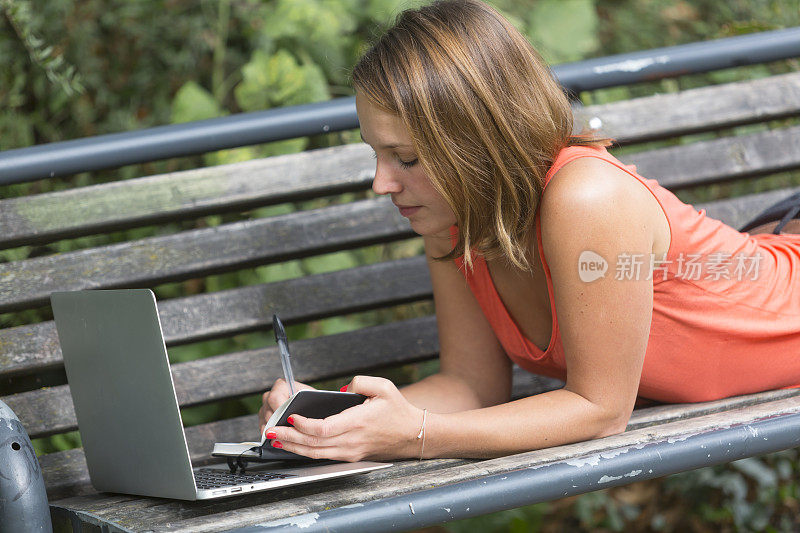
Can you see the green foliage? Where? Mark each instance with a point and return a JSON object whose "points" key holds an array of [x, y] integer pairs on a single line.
{"points": [[564, 30], [63, 75], [75, 68], [279, 80], [192, 102]]}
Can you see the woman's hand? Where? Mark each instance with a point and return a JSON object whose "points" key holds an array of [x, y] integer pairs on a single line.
{"points": [[385, 426], [274, 398]]}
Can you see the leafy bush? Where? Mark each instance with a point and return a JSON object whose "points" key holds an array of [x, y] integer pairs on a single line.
{"points": [[81, 68]]}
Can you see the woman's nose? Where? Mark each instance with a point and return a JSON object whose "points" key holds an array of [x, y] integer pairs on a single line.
{"points": [[385, 182]]}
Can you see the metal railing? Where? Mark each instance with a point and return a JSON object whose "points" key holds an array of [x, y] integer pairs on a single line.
{"points": [[163, 142]]}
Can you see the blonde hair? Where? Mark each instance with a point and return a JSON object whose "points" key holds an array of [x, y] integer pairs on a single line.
{"points": [[486, 117]]}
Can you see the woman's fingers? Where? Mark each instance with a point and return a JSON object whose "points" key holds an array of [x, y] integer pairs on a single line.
{"points": [[263, 415], [334, 453], [278, 394], [337, 447], [271, 400], [274, 398], [325, 428], [370, 386], [353, 434]]}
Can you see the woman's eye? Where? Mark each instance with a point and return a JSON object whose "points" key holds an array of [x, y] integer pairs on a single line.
{"points": [[403, 164]]}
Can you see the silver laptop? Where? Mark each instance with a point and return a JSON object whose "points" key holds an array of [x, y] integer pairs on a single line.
{"points": [[127, 410]]}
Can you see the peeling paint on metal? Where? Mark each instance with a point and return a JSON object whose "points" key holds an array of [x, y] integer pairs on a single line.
{"points": [[607, 479], [352, 506], [301, 521], [631, 65], [592, 460]]}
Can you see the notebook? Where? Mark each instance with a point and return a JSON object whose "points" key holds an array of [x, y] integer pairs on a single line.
{"points": [[309, 403], [127, 410]]}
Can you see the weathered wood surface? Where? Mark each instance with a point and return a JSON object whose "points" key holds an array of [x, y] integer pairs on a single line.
{"points": [[66, 475], [49, 410], [240, 186], [187, 194], [239, 245], [33, 348], [696, 110], [720, 160], [202, 252], [737, 212], [139, 514]]}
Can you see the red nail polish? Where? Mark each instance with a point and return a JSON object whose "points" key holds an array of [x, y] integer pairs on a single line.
{"points": [[290, 420], [271, 435], [276, 444], [343, 389]]}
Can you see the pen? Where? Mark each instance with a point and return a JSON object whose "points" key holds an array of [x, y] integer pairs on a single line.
{"points": [[280, 338]]}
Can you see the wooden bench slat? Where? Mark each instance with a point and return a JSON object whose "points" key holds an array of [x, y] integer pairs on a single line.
{"points": [[696, 110], [163, 515], [241, 245], [31, 348], [660, 414], [737, 212], [132, 510], [182, 195], [720, 160], [202, 252], [49, 410], [189, 194], [26, 352], [65, 472]]}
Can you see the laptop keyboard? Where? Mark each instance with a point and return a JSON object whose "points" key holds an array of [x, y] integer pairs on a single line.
{"points": [[210, 478]]}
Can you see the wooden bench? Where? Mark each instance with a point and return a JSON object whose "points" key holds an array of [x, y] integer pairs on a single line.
{"points": [[660, 440]]}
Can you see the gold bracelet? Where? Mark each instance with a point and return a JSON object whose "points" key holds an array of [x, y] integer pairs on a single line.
{"points": [[421, 434]]}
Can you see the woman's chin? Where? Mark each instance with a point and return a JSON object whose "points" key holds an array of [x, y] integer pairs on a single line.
{"points": [[424, 229]]}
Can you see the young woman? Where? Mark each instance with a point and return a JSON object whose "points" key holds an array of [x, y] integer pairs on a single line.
{"points": [[473, 144]]}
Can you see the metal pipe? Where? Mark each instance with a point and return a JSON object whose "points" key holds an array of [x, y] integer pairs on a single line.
{"points": [[551, 481], [671, 61], [175, 140], [120, 149]]}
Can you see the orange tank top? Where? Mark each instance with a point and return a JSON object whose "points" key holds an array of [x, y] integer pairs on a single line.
{"points": [[726, 306]]}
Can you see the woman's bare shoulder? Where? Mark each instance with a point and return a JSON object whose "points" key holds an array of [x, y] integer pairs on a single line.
{"points": [[591, 182]]}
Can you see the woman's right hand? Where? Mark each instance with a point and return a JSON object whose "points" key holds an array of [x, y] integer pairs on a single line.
{"points": [[274, 398]]}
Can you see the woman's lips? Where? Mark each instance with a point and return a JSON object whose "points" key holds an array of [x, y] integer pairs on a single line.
{"points": [[407, 211]]}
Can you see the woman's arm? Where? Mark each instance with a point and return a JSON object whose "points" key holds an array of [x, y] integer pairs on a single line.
{"points": [[604, 326], [474, 371]]}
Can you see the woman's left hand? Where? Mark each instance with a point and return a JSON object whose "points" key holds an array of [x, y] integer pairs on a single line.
{"points": [[384, 427]]}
